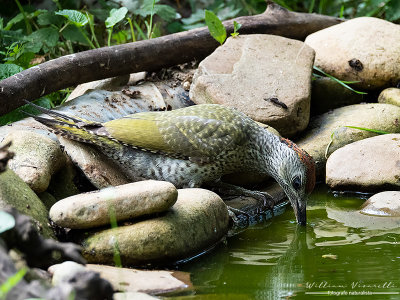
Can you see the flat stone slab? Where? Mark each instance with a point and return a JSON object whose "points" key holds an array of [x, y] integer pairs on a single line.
{"points": [[255, 73], [367, 165], [150, 282], [384, 204], [328, 132], [198, 220], [361, 49], [93, 209]]}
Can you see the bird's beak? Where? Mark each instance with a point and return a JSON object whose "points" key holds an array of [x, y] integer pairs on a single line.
{"points": [[301, 213], [299, 206]]}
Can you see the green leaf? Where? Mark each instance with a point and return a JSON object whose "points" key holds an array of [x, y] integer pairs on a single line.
{"points": [[339, 81], [215, 26], [368, 129], [236, 27], [18, 113], [7, 221], [45, 36], [393, 10], [72, 33], [18, 18], [165, 12], [7, 70], [11, 282], [74, 16], [49, 18], [116, 15]]}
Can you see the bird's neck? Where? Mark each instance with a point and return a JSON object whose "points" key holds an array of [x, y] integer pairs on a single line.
{"points": [[267, 154]]}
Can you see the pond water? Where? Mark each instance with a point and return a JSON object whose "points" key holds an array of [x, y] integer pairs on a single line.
{"points": [[340, 251]]}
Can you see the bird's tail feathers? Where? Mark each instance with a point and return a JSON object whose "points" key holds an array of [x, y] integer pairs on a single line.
{"points": [[74, 128]]}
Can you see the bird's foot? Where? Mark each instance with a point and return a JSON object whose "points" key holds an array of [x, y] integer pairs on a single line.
{"points": [[264, 199]]}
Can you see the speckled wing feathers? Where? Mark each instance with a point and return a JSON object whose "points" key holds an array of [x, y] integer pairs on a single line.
{"points": [[202, 132]]}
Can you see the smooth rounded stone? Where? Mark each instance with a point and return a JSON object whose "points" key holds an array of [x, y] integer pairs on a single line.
{"points": [[390, 96], [128, 201], [65, 271], [328, 133], [253, 73], [384, 204], [16, 193], [366, 165], [197, 221], [327, 94], [149, 282], [36, 159], [362, 49], [100, 170]]}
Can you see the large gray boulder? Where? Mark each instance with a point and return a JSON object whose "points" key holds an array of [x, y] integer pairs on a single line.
{"points": [[362, 49], [255, 73], [198, 220], [367, 165]]}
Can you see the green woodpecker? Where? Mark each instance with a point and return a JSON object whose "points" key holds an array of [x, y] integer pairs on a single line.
{"points": [[195, 145]]}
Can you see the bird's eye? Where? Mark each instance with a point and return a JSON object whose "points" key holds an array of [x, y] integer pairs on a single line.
{"points": [[296, 183]]}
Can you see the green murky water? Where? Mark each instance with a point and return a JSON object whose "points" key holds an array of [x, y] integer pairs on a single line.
{"points": [[340, 251]]}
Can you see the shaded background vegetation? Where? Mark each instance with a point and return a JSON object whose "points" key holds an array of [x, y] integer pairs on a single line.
{"points": [[32, 32]]}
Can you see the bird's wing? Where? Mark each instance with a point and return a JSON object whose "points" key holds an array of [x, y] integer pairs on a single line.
{"points": [[192, 132]]}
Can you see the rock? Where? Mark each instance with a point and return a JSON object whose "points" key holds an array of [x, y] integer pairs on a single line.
{"points": [[328, 133], [362, 49], [103, 84], [133, 296], [149, 282], [16, 193], [64, 271], [47, 199], [198, 220], [64, 183], [367, 165], [36, 158], [101, 171], [327, 94], [384, 204], [390, 96], [127, 201], [252, 72]]}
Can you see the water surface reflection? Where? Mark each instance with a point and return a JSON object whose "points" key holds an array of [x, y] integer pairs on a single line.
{"points": [[340, 251]]}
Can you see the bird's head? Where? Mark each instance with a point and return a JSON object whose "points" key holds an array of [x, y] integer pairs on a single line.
{"points": [[296, 175]]}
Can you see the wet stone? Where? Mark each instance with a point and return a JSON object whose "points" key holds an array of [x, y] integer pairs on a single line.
{"points": [[198, 220], [127, 201], [372, 164], [384, 204], [328, 132]]}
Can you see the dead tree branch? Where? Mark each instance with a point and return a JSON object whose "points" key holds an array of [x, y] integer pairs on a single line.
{"points": [[148, 55]]}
